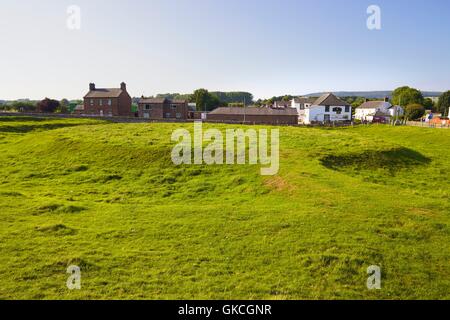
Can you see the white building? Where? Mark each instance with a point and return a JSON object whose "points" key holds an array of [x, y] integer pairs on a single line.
{"points": [[301, 103], [327, 108], [369, 109]]}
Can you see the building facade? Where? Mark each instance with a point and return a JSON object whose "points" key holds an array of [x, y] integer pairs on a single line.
{"points": [[370, 111], [162, 108], [327, 108], [107, 102]]}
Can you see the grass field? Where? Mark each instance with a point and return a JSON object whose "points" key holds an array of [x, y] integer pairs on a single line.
{"points": [[106, 197]]}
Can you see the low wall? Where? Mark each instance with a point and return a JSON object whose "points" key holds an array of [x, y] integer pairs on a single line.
{"points": [[428, 125]]}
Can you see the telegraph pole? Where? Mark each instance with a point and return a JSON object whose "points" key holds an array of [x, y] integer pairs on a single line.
{"points": [[244, 110]]}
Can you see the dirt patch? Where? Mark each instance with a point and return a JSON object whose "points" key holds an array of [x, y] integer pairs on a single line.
{"points": [[279, 184]]}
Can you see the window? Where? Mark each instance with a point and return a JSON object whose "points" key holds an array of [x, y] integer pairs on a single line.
{"points": [[327, 108], [167, 115], [101, 102], [92, 102], [347, 108], [178, 115], [337, 110], [147, 107], [109, 102], [174, 107]]}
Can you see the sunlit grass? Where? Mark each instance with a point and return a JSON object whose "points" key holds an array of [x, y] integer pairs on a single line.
{"points": [[106, 197]]}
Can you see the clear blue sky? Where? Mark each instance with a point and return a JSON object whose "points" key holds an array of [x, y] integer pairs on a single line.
{"points": [[267, 47]]}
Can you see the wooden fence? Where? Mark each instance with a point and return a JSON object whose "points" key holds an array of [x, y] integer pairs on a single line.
{"points": [[428, 125]]}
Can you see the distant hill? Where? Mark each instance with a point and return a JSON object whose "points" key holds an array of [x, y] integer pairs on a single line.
{"points": [[370, 94]]}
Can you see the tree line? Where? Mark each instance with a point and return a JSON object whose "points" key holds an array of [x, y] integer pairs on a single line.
{"points": [[209, 100], [46, 105]]}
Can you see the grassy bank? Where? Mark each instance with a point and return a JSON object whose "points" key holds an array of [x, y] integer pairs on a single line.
{"points": [[107, 197]]}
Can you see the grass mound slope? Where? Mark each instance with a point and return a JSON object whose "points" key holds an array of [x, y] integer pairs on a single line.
{"points": [[106, 197]]}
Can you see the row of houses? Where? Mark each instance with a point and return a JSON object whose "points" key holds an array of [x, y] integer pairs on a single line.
{"points": [[303, 110]]}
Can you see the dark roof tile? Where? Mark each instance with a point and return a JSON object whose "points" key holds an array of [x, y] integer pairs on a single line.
{"points": [[104, 93], [255, 111], [329, 99]]}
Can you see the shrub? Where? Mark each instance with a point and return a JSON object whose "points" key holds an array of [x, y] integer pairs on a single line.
{"points": [[414, 111], [48, 105]]}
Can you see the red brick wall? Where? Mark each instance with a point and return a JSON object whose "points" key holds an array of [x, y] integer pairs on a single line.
{"points": [[156, 111], [119, 106], [100, 105], [171, 110], [124, 107], [164, 111]]}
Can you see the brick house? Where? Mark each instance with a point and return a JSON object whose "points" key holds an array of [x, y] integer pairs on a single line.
{"points": [[107, 102], [162, 108], [254, 115]]}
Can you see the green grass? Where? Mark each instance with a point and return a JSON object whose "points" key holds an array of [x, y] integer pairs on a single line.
{"points": [[106, 197]]}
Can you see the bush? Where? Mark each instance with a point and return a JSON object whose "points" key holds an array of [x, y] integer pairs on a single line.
{"points": [[443, 104], [414, 111], [23, 106], [48, 105]]}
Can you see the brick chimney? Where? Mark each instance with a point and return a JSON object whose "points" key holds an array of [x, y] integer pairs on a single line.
{"points": [[123, 86], [366, 100], [386, 99], [91, 86]]}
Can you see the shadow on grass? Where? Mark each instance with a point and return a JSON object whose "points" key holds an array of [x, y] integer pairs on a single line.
{"points": [[391, 160], [25, 124], [24, 118], [40, 127]]}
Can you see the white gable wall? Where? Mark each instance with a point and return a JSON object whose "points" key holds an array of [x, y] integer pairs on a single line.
{"points": [[396, 111], [317, 113], [367, 114]]}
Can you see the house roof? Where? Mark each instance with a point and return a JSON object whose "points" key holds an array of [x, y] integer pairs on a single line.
{"points": [[283, 103], [255, 111], [329, 99], [104, 93], [304, 100], [371, 104], [159, 100], [153, 100]]}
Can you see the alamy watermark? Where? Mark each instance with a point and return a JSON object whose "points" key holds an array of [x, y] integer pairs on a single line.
{"points": [[374, 19], [73, 21], [231, 150], [74, 280], [374, 279]]}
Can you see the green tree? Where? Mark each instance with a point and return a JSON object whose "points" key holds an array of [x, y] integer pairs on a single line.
{"points": [[48, 105], [443, 103], [428, 104], [233, 97], [414, 111], [23, 106], [63, 106], [205, 100], [404, 96]]}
